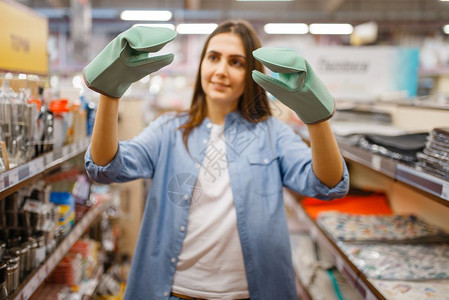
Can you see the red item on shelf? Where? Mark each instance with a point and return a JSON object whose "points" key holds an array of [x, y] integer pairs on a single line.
{"points": [[374, 204], [35, 101], [59, 106]]}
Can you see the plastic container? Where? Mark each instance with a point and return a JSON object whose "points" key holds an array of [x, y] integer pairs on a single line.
{"points": [[61, 122]]}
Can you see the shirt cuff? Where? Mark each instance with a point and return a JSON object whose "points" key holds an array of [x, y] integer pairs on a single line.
{"points": [[323, 192], [103, 174]]}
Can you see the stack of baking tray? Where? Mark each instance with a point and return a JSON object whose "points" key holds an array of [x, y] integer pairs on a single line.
{"points": [[435, 156], [404, 147]]}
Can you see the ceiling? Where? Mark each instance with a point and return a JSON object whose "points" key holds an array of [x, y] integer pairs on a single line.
{"points": [[413, 15]]}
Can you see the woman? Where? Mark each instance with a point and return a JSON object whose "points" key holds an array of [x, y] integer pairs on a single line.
{"points": [[214, 225]]}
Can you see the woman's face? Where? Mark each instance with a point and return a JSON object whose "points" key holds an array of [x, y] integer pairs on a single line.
{"points": [[223, 69]]}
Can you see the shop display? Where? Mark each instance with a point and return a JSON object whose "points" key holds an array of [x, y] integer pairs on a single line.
{"points": [[403, 147], [400, 262], [406, 290], [435, 156], [18, 123], [374, 228], [297, 85], [367, 204], [315, 268], [374, 252]]}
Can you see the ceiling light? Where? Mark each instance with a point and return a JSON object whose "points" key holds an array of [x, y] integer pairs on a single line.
{"points": [[330, 28], [446, 29], [286, 28], [199, 28], [169, 26], [146, 15]]}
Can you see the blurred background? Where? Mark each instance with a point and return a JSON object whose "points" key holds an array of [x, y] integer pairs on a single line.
{"points": [[386, 62]]}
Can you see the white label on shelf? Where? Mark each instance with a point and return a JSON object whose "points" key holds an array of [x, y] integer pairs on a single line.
{"points": [[36, 166], [2, 182], [13, 176], [376, 162], [445, 191], [65, 151], [49, 158]]}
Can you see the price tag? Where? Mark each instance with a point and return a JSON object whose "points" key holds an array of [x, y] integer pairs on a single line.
{"points": [[65, 151], [36, 166], [13, 176], [376, 162], [49, 158], [445, 191]]}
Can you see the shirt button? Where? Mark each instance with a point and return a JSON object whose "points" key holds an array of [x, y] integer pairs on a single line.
{"points": [[186, 197], [266, 160], [197, 165], [173, 260], [182, 228], [204, 141], [165, 294], [209, 125]]}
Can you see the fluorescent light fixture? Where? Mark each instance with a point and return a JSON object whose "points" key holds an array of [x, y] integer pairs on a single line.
{"points": [[169, 26], [286, 28], [146, 15], [196, 28], [446, 29], [318, 28]]}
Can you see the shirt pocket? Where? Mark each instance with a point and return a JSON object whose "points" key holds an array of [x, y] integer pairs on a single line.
{"points": [[265, 174]]}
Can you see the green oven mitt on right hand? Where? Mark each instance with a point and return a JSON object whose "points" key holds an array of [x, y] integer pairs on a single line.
{"points": [[125, 60], [297, 87]]}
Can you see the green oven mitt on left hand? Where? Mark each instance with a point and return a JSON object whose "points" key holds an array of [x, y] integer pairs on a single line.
{"points": [[298, 87], [125, 60]]}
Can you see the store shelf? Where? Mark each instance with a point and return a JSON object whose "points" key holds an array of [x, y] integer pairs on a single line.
{"points": [[34, 280], [423, 181], [376, 162], [16, 176], [398, 171], [88, 288], [351, 273]]}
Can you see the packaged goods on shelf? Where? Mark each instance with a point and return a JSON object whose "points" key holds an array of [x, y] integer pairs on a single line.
{"points": [[397, 228], [435, 156], [66, 204], [375, 203]]}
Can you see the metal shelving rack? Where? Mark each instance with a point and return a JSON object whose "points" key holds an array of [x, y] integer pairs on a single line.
{"points": [[16, 178], [424, 182], [417, 179], [34, 280], [351, 273]]}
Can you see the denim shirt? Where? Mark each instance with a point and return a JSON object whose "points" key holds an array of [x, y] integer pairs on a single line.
{"points": [[262, 158]]}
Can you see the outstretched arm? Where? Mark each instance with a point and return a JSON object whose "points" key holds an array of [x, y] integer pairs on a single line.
{"points": [[326, 158], [123, 61], [105, 132]]}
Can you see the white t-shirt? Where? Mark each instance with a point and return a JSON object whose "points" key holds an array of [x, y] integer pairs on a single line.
{"points": [[211, 262]]}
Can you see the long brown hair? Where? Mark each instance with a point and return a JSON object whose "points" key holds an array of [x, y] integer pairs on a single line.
{"points": [[253, 104]]}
